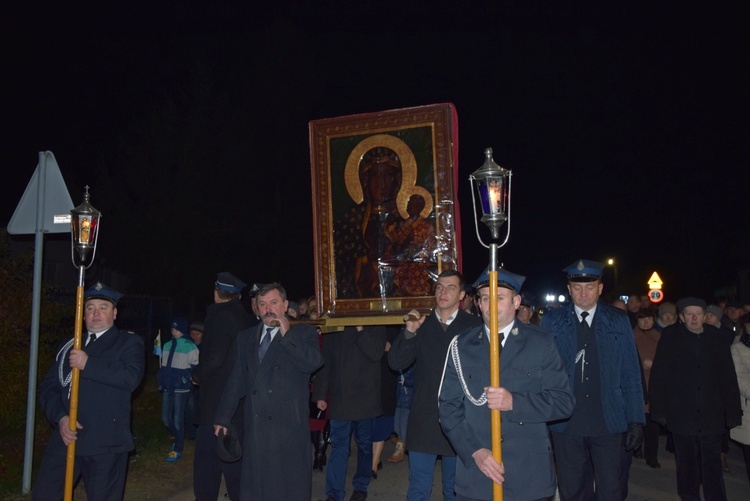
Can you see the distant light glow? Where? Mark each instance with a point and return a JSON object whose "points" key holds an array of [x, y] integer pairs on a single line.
{"points": [[560, 298]]}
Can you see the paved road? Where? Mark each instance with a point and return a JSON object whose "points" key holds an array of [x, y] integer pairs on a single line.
{"points": [[646, 484]]}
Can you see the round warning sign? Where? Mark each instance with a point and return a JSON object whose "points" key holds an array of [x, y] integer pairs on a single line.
{"points": [[655, 295]]}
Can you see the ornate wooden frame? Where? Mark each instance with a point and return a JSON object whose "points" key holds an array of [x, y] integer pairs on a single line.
{"points": [[425, 139]]}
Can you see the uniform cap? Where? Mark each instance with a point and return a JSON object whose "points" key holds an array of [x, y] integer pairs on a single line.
{"points": [[505, 279], [255, 289], [225, 281], [101, 291], [584, 270]]}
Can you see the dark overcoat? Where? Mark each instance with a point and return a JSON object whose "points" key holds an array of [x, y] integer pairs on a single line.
{"points": [[619, 366], [693, 387], [426, 350], [531, 369], [350, 377], [223, 322], [113, 371], [276, 451]]}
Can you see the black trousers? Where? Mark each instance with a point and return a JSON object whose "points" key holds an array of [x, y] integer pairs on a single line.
{"points": [[103, 476], [208, 468], [581, 461], [651, 440], [698, 461]]}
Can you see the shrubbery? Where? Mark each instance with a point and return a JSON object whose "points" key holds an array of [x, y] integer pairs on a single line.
{"points": [[56, 321]]}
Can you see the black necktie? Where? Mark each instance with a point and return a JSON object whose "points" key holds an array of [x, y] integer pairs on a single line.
{"points": [[92, 338], [500, 339], [264, 343], [584, 323], [444, 326]]}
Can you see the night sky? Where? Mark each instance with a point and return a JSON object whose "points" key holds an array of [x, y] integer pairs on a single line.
{"points": [[623, 127]]}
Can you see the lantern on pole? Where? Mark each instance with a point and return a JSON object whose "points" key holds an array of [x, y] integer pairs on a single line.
{"points": [[491, 184], [84, 229]]}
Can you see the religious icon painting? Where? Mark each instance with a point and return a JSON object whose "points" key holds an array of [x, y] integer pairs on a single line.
{"points": [[385, 211]]}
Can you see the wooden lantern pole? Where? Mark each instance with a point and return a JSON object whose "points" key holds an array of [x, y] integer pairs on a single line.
{"points": [[75, 374], [497, 453]]}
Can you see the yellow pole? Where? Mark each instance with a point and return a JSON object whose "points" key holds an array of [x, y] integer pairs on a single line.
{"points": [[497, 453], [73, 415]]}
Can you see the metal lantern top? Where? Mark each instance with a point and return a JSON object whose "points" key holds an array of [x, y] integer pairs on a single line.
{"points": [[491, 183], [84, 229]]}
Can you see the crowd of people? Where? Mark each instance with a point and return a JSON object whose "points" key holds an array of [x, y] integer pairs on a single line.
{"points": [[585, 387]]}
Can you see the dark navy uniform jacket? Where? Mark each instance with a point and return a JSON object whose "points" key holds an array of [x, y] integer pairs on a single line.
{"points": [[113, 371], [619, 370], [531, 369]]}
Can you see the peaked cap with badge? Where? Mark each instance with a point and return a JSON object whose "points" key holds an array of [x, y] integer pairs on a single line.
{"points": [[584, 270], [505, 279], [101, 291]]}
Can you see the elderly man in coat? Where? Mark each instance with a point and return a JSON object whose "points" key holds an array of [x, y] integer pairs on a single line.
{"points": [[693, 391], [272, 370], [596, 345], [534, 390]]}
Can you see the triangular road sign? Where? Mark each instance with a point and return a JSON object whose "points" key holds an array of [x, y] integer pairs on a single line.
{"points": [[56, 204], [655, 282]]}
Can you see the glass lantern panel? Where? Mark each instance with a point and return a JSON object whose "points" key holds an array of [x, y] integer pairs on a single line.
{"points": [[493, 195]]}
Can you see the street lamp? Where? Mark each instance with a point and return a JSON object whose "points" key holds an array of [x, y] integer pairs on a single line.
{"points": [[492, 185], [84, 229], [611, 262]]}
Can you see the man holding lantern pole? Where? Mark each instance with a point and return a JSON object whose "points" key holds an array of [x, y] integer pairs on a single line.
{"points": [[111, 364], [533, 390]]}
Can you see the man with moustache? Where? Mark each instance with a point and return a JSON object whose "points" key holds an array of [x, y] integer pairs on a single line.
{"points": [[693, 391], [534, 390], [271, 373], [224, 320], [111, 364], [596, 345]]}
